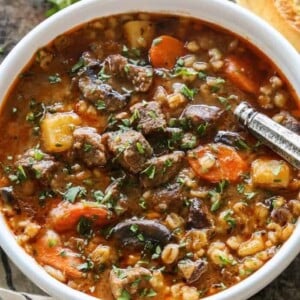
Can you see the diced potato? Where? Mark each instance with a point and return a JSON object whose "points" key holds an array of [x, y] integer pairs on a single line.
{"points": [[57, 129], [270, 173], [139, 34]]}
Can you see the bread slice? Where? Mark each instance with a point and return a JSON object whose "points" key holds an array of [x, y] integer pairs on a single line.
{"points": [[284, 15]]}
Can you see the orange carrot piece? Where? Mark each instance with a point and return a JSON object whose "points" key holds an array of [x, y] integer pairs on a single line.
{"points": [[49, 252], [240, 71], [66, 215], [165, 51], [228, 163]]}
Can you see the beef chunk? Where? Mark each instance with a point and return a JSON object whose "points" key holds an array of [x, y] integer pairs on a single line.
{"points": [[118, 65], [201, 114], [38, 164], [197, 217], [94, 90], [164, 198], [160, 170], [130, 149], [288, 121], [115, 65], [228, 138], [88, 147], [150, 118]]}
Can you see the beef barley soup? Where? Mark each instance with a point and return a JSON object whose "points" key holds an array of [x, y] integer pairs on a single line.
{"points": [[123, 170]]}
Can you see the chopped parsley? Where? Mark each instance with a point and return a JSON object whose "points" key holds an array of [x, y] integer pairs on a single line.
{"points": [[157, 252], [73, 192], [189, 143], [53, 79], [148, 293], [131, 53], [225, 102], [142, 203], [124, 295], [222, 185], [119, 272], [98, 196], [150, 171], [152, 114], [217, 83], [134, 228], [103, 76], [202, 128], [135, 116], [86, 266], [140, 237], [168, 163], [202, 75], [78, 65], [225, 261], [38, 154], [242, 145], [250, 195], [100, 105], [52, 243], [21, 174], [240, 188], [229, 219], [188, 93], [182, 71], [215, 205], [87, 147], [140, 148]]}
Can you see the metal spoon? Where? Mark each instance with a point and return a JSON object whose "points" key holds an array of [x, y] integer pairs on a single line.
{"points": [[281, 140]]}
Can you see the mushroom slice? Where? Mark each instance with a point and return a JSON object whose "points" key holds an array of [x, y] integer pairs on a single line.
{"points": [[135, 232]]}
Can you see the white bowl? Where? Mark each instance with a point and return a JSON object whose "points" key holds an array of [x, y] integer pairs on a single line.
{"points": [[221, 12]]}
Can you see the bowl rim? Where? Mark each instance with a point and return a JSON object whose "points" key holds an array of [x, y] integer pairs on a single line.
{"points": [[223, 13]]}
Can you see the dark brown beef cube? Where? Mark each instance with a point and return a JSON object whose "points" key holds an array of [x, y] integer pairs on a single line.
{"points": [[95, 90], [38, 164], [201, 114], [164, 198], [88, 146], [140, 76], [150, 118], [160, 170], [130, 149], [197, 217]]}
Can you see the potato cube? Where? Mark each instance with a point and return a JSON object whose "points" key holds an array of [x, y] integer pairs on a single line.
{"points": [[270, 173], [139, 34], [57, 131]]}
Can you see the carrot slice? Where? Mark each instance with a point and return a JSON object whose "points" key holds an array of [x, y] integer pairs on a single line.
{"points": [[165, 51], [216, 162], [240, 71], [49, 252], [66, 215]]}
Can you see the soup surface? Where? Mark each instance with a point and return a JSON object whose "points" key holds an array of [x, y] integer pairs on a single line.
{"points": [[123, 170]]}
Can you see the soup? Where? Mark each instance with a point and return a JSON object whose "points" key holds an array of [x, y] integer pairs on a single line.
{"points": [[124, 171]]}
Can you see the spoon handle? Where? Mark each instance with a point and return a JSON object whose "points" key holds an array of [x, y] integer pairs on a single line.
{"points": [[281, 140]]}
